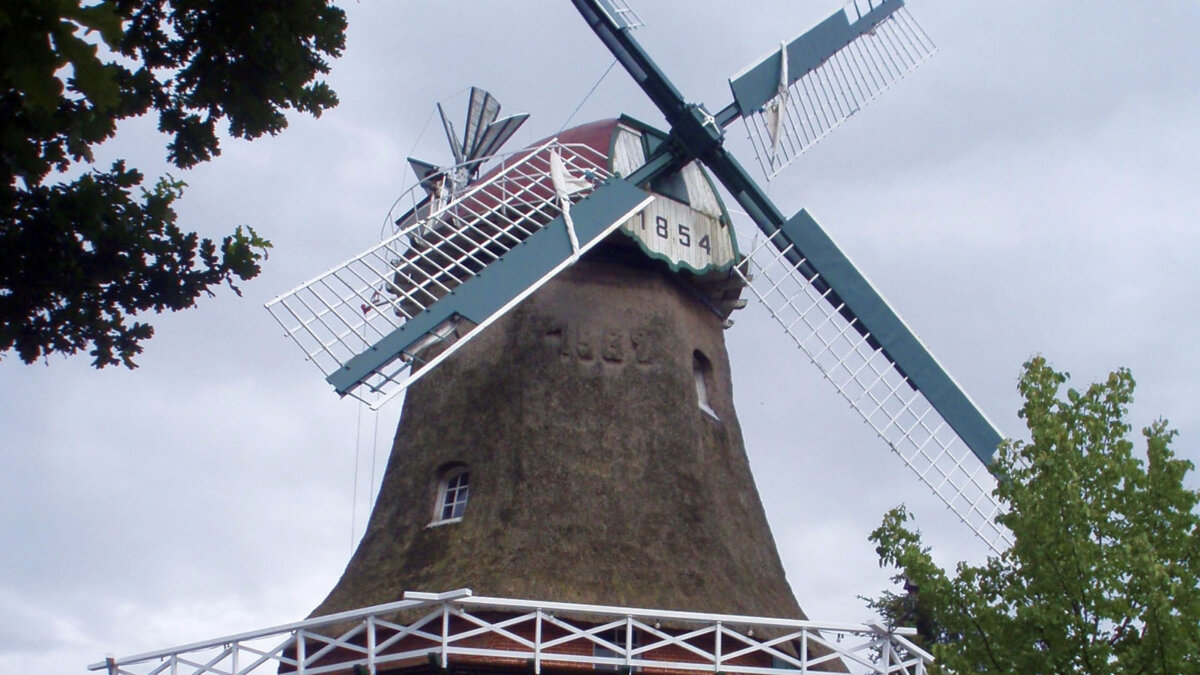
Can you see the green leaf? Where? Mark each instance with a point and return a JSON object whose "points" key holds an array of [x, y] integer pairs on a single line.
{"points": [[95, 80], [102, 18], [82, 259], [1104, 574]]}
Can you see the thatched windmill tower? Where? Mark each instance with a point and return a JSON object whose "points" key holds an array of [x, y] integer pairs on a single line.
{"points": [[585, 448]]}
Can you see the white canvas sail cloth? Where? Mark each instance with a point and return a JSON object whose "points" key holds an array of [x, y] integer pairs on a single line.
{"points": [[776, 110], [566, 185]]}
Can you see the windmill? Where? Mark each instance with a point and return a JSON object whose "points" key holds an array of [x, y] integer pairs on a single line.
{"points": [[556, 317], [448, 283]]}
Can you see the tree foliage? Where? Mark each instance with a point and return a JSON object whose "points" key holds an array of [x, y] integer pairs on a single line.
{"points": [[84, 248], [1104, 572]]}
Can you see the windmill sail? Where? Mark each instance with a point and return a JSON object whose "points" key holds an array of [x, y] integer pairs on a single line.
{"points": [[878, 365], [482, 110], [368, 323], [496, 134], [427, 174], [811, 287], [794, 97], [456, 147]]}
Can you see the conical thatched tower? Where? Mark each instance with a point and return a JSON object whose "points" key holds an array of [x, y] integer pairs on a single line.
{"points": [[595, 475], [595, 428]]}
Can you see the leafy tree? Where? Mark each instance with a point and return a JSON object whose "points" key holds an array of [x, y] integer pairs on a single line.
{"points": [[1104, 572], [83, 248]]}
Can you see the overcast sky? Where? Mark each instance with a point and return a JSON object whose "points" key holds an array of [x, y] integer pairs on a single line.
{"points": [[1034, 188]]}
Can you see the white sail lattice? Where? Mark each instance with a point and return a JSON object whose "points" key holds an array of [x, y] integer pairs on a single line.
{"points": [[348, 309], [623, 15], [873, 386]]}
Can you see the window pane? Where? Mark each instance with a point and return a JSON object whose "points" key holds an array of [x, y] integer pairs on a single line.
{"points": [[453, 496]]}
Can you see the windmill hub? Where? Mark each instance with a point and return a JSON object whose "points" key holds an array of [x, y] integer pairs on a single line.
{"points": [[698, 131]]}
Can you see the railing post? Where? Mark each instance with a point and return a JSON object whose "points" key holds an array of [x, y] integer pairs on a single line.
{"points": [[629, 644], [717, 649], [233, 658], [371, 644], [301, 652], [537, 642], [445, 634], [804, 651]]}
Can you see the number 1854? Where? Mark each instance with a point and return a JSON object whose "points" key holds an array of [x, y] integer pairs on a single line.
{"points": [[681, 233]]}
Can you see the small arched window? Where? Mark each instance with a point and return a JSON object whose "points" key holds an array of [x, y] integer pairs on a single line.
{"points": [[453, 491], [702, 370]]}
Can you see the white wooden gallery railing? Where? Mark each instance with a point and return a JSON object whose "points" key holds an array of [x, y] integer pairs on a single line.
{"points": [[454, 628]]}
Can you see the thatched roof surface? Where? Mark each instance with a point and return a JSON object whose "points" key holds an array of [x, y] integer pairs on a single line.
{"points": [[595, 477]]}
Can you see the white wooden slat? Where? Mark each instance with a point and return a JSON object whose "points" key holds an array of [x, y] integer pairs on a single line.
{"points": [[628, 154]]}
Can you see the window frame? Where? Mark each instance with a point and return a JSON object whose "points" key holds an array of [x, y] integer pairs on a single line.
{"points": [[455, 485], [702, 376]]}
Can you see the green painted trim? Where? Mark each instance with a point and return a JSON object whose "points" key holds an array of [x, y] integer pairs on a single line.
{"points": [[677, 266]]}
